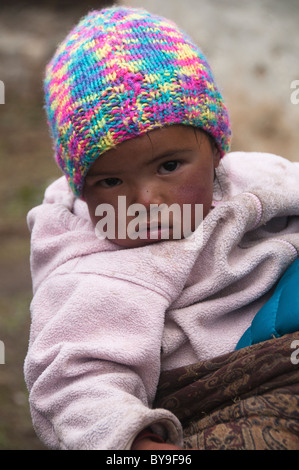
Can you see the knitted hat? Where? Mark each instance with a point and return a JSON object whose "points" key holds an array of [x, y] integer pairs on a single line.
{"points": [[122, 72]]}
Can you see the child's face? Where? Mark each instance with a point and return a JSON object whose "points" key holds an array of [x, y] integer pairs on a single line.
{"points": [[172, 165]]}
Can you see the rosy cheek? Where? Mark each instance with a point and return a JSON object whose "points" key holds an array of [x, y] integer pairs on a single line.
{"points": [[188, 194], [196, 194]]}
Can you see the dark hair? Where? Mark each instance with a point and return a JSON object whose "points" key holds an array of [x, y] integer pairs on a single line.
{"points": [[209, 136]]}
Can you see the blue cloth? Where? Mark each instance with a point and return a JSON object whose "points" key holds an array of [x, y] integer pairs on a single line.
{"points": [[278, 316]]}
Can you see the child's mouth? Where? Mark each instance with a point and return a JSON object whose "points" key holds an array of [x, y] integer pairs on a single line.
{"points": [[159, 232], [152, 231]]}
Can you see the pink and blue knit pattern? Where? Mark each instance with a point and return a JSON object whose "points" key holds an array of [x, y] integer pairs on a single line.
{"points": [[120, 73]]}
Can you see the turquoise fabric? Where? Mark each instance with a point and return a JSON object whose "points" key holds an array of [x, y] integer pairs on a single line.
{"points": [[280, 315]]}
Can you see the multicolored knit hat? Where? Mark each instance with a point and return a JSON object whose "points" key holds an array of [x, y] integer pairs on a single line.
{"points": [[120, 73]]}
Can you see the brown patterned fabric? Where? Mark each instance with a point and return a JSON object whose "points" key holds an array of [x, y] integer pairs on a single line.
{"points": [[244, 400]]}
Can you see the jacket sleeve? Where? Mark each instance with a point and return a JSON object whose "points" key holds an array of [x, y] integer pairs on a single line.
{"points": [[93, 363]]}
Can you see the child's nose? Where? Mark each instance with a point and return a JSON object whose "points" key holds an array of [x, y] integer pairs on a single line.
{"points": [[147, 194]]}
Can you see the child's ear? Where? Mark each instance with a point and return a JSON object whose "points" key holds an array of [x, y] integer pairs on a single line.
{"points": [[216, 156]]}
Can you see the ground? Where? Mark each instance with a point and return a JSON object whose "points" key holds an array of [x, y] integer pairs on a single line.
{"points": [[253, 50]]}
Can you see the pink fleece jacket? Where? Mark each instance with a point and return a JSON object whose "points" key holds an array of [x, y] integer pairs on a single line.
{"points": [[106, 320]]}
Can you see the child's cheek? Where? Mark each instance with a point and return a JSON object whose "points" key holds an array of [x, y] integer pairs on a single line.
{"points": [[196, 194]]}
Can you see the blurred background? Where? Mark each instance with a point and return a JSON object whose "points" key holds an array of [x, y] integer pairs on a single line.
{"points": [[253, 49]]}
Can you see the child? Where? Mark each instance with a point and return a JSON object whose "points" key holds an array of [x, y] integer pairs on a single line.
{"points": [[135, 112]]}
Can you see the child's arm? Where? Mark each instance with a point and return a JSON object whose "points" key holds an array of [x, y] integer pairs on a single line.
{"points": [[94, 362]]}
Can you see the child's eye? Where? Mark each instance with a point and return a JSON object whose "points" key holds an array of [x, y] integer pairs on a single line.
{"points": [[109, 182], [168, 167]]}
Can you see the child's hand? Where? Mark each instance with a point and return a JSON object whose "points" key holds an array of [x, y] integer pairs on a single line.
{"points": [[149, 444]]}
